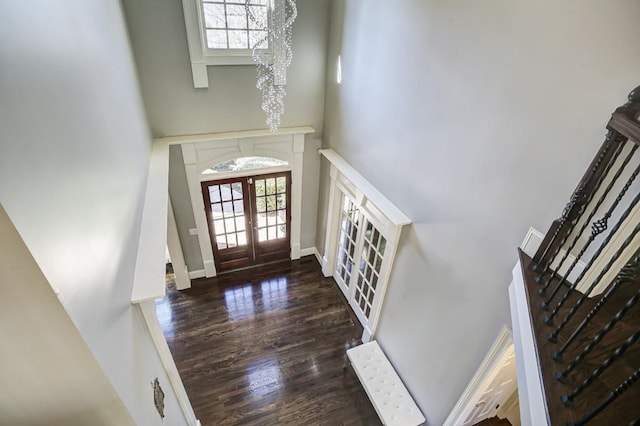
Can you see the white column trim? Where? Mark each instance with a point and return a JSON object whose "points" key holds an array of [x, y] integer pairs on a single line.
{"points": [[192, 25], [296, 194], [199, 216], [175, 251], [333, 217]]}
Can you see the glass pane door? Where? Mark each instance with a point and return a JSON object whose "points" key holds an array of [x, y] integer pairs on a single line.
{"points": [[371, 257], [349, 220], [271, 198], [249, 219], [359, 260], [227, 208]]}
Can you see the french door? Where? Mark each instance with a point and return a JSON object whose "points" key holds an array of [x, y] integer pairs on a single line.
{"points": [[360, 260], [249, 219]]}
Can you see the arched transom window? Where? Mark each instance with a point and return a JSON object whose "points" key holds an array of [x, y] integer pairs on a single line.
{"points": [[245, 163]]}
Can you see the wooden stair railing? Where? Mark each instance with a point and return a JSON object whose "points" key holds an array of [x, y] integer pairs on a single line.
{"points": [[583, 285]]}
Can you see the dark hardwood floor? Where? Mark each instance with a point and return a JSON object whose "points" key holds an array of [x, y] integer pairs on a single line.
{"points": [[266, 346], [494, 421]]}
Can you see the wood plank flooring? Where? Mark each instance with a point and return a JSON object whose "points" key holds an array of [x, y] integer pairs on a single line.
{"points": [[266, 346], [494, 421]]}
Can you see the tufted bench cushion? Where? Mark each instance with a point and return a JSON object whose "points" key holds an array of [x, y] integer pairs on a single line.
{"points": [[386, 391]]}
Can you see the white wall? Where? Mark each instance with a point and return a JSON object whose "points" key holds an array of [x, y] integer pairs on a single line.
{"points": [[231, 103], [74, 154], [48, 373], [476, 119]]}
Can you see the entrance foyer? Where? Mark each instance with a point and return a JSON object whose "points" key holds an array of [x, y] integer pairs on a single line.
{"points": [[266, 346]]}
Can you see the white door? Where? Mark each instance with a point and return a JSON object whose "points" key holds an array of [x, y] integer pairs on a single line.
{"points": [[360, 262], [347, 239], [496, 389]]}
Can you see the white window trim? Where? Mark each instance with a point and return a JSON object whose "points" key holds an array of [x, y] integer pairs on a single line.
{"points": [[377, 209], [201, 56]]}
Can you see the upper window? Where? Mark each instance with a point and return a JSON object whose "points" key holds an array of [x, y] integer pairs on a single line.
{"points": [[227, 25], [223, 32]]}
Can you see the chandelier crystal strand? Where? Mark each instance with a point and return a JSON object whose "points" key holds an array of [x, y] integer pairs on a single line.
{"points": [[272, 54]]}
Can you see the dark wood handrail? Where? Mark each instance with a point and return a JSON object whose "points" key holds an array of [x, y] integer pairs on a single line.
{"points": [[626, 119], [626, 126]]}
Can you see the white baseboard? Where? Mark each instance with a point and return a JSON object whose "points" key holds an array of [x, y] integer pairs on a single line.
{"points": [[307, 251], [201, 273], [318, 255], [312, 251], [198, 273]]}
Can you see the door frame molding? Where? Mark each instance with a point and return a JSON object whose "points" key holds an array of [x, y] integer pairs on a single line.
{"points": [[200, 152], [491, 361]]}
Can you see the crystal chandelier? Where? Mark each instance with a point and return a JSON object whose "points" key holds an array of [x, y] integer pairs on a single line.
{"points": [[272, 53]]}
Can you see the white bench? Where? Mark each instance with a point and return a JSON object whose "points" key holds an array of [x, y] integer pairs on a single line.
{"points": [[384, 388]]}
